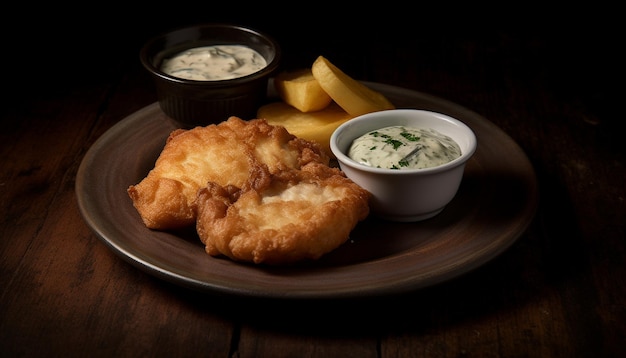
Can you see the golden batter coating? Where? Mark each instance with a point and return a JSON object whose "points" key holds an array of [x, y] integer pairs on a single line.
{"points": [[224, 154], [255, 192], [281, 219]]}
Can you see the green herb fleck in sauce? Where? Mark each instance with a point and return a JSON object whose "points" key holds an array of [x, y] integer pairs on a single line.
{"points": [[390, 148]]}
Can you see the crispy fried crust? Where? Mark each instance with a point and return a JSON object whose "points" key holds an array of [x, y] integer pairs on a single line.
{"points": [[282, 219], [224, 154], [255, 192]]}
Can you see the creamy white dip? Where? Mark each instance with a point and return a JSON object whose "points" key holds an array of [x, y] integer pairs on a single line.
{"points": [[214, 63], [390, 147]]}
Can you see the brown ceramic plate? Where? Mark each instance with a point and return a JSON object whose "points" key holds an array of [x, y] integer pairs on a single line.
{"points": [[495, 204]]}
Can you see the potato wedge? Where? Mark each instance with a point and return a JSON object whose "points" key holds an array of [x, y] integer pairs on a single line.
{"points": [[353, 96], [301, 90], [315, 126]]}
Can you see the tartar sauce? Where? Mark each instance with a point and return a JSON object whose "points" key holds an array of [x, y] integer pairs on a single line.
{"points": [[399, 147], [214, 63]]}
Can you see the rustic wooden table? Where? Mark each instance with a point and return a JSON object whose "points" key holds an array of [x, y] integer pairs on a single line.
{"points": [[558, 291]]}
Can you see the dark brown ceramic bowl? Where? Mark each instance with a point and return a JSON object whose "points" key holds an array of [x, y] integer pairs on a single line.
{"points": [[191, 103]]}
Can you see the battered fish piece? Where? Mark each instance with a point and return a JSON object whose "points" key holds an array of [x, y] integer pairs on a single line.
{"points": [[281, 218], [226, 154]]}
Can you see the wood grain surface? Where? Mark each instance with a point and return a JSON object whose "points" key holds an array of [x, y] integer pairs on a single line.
{"points": [[552, 83]]}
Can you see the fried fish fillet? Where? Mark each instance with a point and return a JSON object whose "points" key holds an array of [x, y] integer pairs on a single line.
{"points": [[255, 192], [281, 218], [226, 154]]}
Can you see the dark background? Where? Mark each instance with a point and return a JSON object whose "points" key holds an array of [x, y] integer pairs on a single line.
{"points": [[573, 56], [550, 78], [52, 48]]}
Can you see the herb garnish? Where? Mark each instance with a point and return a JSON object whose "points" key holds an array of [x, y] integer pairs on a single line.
{"points": [[395, 143], [403, 163], [410, 136]]}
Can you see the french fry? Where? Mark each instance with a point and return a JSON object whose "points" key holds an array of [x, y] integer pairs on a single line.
{"points": [[301, 90], [353, 96]]}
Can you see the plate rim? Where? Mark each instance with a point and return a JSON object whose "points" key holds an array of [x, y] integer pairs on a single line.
{"points": [[409, 283]]}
